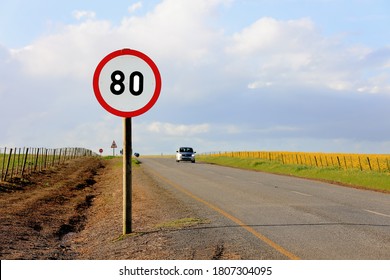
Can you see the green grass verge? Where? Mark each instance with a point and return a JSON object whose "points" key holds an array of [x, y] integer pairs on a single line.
{"points": [[379, 181], [119, 160], [182, 223]]}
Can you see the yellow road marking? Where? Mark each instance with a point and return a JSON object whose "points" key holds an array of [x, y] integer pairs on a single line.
{"points": [[263, 238]]}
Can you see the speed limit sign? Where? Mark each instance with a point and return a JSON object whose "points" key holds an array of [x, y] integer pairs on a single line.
{"points": [[127, 83]]}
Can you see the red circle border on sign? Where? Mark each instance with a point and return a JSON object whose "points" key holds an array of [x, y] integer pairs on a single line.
{"points": [[105, 105]]}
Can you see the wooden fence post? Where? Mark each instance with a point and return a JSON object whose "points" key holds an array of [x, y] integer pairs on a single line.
{"points": [[9, 160], [45, 159], [369, 163], [65, 155], [2, 169], [54, 156], [30, 160], [379, 166], [59, 157], [24, 162], [13, 163], [19, 164], [36, 160], [350, 157]]}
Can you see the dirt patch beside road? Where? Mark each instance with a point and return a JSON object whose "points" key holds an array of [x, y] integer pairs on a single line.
{"points": [[75, 212], [36, 214]]}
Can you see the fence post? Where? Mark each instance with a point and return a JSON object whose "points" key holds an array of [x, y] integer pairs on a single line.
{"points": [[31, 158], [2, 169], [59, 157], [54, 156], [13, 163], [19, 164], [45, 159], [9, 160], [36, 160], [40, 159], [65, 155], [24, 162], [322, 165], [350, 157], [369, 163]]}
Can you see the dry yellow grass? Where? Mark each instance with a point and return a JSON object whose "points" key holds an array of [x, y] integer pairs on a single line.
{"points": [[371, 162]]}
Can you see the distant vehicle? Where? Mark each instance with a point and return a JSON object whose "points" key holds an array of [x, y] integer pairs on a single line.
{"points": [[185, 154], [136, 154]]}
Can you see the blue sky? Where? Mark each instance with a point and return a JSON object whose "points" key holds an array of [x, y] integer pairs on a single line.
{"points": [[237, 74]]}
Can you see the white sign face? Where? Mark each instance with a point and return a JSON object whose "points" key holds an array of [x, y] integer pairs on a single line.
{"points": [[127, 83]]}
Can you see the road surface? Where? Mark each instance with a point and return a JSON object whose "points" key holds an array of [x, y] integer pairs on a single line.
{"points": [[293, 218]]}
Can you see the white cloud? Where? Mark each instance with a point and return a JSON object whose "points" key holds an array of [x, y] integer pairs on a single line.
{"points": [[135, 7], [295, 53], [171, 129], [176, 33], [272, 36], [83, 14], [259, 84], [72, 52]]}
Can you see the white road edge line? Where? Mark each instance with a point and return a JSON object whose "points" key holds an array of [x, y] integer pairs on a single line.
{"points": [[304, 194], [376, 213]]}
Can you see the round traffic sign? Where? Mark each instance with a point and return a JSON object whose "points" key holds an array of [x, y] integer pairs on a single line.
{"points": [[127, 83]]}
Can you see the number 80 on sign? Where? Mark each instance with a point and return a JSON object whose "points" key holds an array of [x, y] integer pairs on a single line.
{"points": [[127, 83], [136, 84]]}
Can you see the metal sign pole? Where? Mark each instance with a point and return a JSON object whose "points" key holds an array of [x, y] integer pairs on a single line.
{"points": [[127, 181]]}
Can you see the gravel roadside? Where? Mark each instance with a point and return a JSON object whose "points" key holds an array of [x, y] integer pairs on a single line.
{"points": [[163, 227]]}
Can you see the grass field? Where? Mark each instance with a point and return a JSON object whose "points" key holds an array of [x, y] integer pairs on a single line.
{"points": [[373, 180]]}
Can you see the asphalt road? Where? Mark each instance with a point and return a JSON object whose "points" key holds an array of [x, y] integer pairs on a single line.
{"points": [[295, 218]]}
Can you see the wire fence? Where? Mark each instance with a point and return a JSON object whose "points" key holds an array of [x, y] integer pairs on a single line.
{"points": [[20, 162], [364, 162]]}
